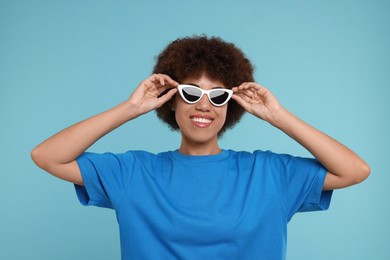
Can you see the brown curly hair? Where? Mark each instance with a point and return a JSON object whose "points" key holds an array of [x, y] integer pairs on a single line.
{"points": [[200, 55]]}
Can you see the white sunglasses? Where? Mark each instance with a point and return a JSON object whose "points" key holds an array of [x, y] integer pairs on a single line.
{"points": [[218, 96]]}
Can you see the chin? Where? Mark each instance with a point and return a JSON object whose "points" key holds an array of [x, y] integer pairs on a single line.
{"points": [[200, 137]]}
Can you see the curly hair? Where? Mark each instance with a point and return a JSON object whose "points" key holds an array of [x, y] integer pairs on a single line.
{"points": [[192, 57]]}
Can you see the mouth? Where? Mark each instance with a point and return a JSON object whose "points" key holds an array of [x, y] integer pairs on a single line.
{"points": [[201, 121]]}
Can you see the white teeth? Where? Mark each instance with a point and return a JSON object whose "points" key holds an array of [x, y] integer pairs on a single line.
{"points": [[201, 120]]}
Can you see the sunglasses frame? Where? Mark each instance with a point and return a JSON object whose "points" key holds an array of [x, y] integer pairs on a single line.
{"points": [[203, 92]]}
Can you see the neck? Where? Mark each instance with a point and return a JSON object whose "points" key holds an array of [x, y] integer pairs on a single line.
{"points": [[199, 148]]}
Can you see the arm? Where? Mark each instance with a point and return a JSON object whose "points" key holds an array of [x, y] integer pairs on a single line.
{"points": [[345, 168], [57, 155]]}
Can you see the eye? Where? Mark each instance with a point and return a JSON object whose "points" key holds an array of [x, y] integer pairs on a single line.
{"points": [[219, 96], [191, 93]]}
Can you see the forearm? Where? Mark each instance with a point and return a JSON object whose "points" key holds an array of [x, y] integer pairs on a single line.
{"points": [[67, 145], [334, 156], [345, 168]]}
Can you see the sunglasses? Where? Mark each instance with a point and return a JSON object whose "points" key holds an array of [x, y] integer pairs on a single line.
{"points": [[218, 96]]}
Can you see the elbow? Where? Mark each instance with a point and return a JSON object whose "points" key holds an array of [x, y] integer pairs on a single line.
{"points": [[351, 177], [37, 157], [362, 173], [366, 171]]}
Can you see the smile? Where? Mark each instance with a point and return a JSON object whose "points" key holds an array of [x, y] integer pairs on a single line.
{"points": [[201, 121]]}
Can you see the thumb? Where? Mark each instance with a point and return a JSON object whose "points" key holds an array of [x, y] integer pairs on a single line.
{"points": [[163, 99], [241, 102]]}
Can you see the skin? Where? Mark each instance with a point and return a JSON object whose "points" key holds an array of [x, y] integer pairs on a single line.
{"points": [[345, 168], [57, 155], [199, 138]]}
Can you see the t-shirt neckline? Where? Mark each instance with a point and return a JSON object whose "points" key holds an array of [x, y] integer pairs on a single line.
{"points": [[200, 158]]}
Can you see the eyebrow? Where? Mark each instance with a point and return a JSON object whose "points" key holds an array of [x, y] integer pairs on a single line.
{"points": [[195, 85]]}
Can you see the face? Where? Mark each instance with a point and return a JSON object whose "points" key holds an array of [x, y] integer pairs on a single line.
{"points": [[201, 122]]}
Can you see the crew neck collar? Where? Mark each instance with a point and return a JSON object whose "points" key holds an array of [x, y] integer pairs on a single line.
{"points": [[200, 158]]}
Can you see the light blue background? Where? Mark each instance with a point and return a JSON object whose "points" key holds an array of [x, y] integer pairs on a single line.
{"points": [[63, 61]]}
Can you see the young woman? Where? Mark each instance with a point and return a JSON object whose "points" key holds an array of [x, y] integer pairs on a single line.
{"points": [[201, 201]]}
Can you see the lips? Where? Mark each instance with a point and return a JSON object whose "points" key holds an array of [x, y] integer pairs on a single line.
{"points": [[201, 121]]}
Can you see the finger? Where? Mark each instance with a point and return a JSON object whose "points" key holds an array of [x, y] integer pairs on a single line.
{"points": [[150, 86], [164, 98], [246, 92], [154, 78], [258, 88], [244, 98], [241, 87], [169, 84], [248, 85], [169, 80], [164, 89], [155, 83], [242, 84], [258, 91], [241, 101], [164, 79]]}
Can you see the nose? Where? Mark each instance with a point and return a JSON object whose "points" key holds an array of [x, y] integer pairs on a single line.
{"points": [[203, 104]]}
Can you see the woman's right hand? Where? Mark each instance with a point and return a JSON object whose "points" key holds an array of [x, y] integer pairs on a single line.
{"points": [[146, 96], [57, 154]]}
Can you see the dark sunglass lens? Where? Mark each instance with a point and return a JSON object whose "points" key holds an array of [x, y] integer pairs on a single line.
{"points": [[219, 96], [191, 94]]}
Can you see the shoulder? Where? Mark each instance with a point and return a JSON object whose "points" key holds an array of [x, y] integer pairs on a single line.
{"points": [[128, 157], [270, 159], [255, 155]]}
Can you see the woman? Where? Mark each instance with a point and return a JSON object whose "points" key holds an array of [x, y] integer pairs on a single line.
{"points": [[200, 201]]}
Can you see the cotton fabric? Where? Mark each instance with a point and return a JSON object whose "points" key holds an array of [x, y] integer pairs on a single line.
{"points": [[233, 205]]}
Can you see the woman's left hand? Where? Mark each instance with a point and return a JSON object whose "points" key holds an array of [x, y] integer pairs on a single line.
{"points": [[345, 168], [257, 100]]}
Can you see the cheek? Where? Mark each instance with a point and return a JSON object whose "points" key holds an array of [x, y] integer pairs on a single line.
{"points": [[177, 103], [223, 113], [223, 118], [179, 107]]}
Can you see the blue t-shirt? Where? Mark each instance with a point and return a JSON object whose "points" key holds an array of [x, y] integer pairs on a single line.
{"points": [[233, 205]]}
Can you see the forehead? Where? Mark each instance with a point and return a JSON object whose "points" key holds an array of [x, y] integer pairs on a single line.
{"points": [[204, 82]]}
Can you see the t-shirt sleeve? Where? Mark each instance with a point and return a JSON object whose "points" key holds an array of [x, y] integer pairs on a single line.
{"points": [[302, 181], [105, 178]]}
